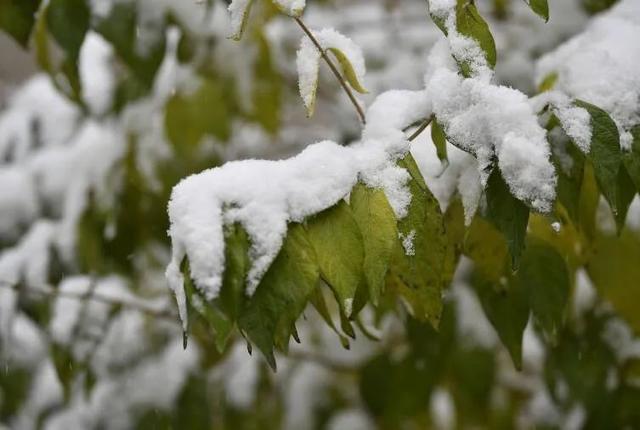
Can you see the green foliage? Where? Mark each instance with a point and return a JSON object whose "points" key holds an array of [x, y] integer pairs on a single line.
{"points": [[471, 24], [17, 18], [541, 7], [268, 318], [508, 214]]}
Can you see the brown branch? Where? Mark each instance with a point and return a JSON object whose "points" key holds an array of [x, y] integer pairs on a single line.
{"points": [[334, 69], [420, 129]]}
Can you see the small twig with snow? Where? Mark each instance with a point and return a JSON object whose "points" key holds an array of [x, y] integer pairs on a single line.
{"points": [[334, 69]]}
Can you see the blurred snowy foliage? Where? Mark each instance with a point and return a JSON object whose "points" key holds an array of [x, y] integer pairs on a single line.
{"points": [[134, 95]]}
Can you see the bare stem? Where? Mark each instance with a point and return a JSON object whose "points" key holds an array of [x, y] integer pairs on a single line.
{"points": [[420, 129], [48, 291], [334, 69]]}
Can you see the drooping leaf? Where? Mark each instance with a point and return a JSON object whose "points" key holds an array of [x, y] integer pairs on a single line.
{"points": [[239, 10], [632, 157], [439, 140], [508, 214], [417, 271], [506, 304], [120, 28], [487, 247], [541, 7], [339, 247], [606, 157], [348, 71], [68, 22], [191, 117], [454, 225], [471, 24], [615, 272], [320, 304], [378, 225], [17, 18], [236, 267], [282, 294], [544, 275]]}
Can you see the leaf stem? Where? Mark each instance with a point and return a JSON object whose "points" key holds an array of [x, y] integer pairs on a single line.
{"points": [[334, 69], [420, 129]]}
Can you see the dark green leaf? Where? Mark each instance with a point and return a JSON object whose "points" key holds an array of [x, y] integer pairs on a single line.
{"points": [[17, 18], [506, 304], [68, 22], [544, 275], [606, 157], [236, 267], [508, 214], [282, 294], [378, 225], [632, 157], [339, 248]]}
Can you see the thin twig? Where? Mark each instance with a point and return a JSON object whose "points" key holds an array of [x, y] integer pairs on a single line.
{"points": [[420, 129], [48, 291], [334, 69]]}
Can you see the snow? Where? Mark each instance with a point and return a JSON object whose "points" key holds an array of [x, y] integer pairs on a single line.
{"points": [[464, 49], [290, 7], [407, 242], [308, 61], [491, 122], [96, 73], [575, 121], [239, 9], [18, 201], [264, 196], [600, 65]]}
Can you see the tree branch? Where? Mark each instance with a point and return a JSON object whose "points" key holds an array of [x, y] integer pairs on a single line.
{"points": [[334, 69], [48, 291], [420, 129]]}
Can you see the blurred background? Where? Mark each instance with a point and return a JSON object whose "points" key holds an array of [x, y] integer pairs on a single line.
{"points": [[106, 104]]}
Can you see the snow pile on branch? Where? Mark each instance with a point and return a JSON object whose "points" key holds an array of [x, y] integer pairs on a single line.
{"points": [[264, 196], [602, 64], [493, 122]]}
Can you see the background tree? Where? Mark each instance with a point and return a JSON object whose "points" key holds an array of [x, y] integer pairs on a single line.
{"points": [[459, 250]]}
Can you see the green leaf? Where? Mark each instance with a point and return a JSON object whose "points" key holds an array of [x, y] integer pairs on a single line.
{"points": [[544, 275], [506, 304], [120, 28], [282, 294], [487, 247], [471, 24], [541, 7], [570, 177], [339, 247], [68, 22], [632, 157], [417, 271], [191, 117], [606, 157], [508, 214], [347, 70], [615, 272], [17, 18], [14, 390], [236, 268], [267, 89], [548, 82], [455, 228], [439, 140], [378, 225], [320, 304], [244, 15]]}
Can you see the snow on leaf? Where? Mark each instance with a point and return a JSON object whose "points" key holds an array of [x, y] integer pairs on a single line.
{"points": [[239, 10], [348, 54], [290, 7]]}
